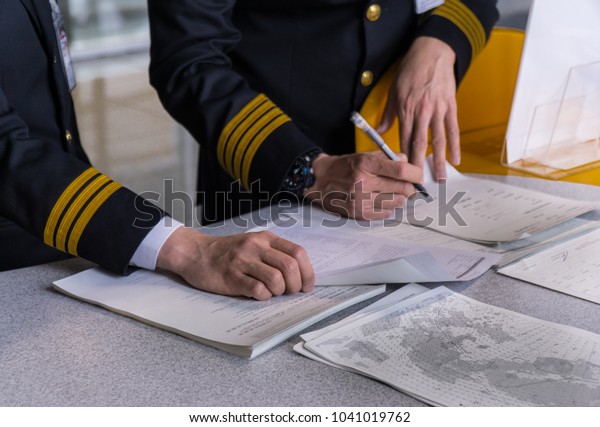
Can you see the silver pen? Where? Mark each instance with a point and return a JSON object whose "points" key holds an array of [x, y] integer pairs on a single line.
{"points": [[360, 122]]}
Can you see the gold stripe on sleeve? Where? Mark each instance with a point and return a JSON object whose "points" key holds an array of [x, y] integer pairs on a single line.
{"points": [[461, 16], [226, 143], [62, 202], [247, 138], [462, 26], [258, 140], [244, 134], [88, 213], [246, 129], [473, 22], [73, 211]]}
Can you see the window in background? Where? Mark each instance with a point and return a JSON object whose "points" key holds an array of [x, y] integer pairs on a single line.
{"points": [[105, 27]]}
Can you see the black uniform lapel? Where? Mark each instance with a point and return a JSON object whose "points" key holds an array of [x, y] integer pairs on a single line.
{"points": [[42, 16], [28, 4]]}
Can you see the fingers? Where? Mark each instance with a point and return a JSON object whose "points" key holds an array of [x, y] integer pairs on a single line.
{"points": [[256, 265], [419, 139], [444, 132], [406, 120], [252, 288], [425, 95], [387, 202], [453, 135], [389, 114], [352, 185], [296, 267], [390, 176], [438, 142], [279, 265]]}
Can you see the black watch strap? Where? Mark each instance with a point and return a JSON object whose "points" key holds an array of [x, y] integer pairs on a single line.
{"points": [[301, 175]]}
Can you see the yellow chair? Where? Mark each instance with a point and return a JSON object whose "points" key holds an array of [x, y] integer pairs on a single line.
{"points": [[484, 96]]}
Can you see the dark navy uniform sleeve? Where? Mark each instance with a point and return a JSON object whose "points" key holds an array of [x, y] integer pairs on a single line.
{"points": [[260, 82], [465, 25], [66, 203], [239, 127], [47, 186]]}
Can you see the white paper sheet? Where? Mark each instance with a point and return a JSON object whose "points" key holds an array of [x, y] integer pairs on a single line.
{"points": [[447, 349], [572, 267], [489, 212], [407, 291], [342, 257], [508, 252]]}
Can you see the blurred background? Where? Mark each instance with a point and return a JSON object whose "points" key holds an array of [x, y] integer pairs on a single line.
{"points": [[124, 129]]}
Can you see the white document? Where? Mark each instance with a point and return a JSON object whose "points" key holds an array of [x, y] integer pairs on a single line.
{"points": [[560, 35], [571, 267], [489, 212], [239, 326], [449, 350], [344, 257], [509, 252]]}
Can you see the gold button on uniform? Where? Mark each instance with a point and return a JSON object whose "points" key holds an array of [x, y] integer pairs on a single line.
{"points": [[366, 78], [68, 136], [373, 12]]}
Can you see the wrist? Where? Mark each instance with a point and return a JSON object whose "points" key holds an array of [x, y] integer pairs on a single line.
{"points": [[436, 46], [318, 167], [301, 176], [175, 254]]}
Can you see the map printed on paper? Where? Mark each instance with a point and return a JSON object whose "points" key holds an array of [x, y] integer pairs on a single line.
{"points": [[447, 349]]}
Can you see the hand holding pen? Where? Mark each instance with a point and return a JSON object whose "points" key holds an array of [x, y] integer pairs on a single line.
{"points": [[362, 185], [363, 125]]}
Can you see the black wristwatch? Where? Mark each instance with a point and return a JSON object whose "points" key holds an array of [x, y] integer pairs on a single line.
{"points": [[301, 175]]}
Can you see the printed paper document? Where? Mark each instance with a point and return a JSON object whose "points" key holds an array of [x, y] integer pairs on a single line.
{"points": [[571, 267], [407, 291], [340, 257], [449, 350], [239, 326], [509, 251], [490, 212]]}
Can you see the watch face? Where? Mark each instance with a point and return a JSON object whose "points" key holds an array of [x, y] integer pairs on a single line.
{"points": [[301, 175]]}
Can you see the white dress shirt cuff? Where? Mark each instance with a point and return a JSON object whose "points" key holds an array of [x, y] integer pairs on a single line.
{"points": [[146, 254]]}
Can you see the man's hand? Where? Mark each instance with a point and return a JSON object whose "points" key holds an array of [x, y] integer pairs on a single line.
{"points": [[363, 185], [257, 265], [423, 97]]}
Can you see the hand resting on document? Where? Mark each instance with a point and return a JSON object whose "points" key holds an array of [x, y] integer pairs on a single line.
{"points": [[256, 265]]}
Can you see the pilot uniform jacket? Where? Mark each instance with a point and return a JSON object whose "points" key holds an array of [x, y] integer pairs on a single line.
{"points": [[47, 187], [258, 83]]}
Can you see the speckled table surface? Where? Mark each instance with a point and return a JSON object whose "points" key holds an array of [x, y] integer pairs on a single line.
{"points": [[58, 351]]}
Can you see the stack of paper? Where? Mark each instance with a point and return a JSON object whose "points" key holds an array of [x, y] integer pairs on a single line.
{"points": [[239, 326], [449, 350]]}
